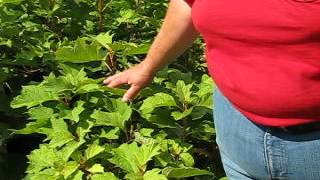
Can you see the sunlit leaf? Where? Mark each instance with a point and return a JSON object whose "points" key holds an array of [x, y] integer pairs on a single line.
{"points": [[93, 150], [80, 53], [96, 168], [104, 176], [132, 158], [184, 172], [33, 95], [158, 100]]}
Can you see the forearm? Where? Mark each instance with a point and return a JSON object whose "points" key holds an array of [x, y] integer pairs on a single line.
{"points": [[176, 35]]}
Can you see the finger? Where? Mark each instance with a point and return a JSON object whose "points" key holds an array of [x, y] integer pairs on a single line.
{"points": [[117, 82], [111, 78], [131, 93]]}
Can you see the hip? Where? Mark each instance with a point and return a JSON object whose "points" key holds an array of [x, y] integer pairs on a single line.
{"points": [[261, 152]]}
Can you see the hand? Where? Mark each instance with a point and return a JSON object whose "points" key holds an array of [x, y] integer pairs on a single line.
{"points": [[135, 76]]}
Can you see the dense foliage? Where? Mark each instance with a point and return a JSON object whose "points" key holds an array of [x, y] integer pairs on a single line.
{"points": [[54, 56]]}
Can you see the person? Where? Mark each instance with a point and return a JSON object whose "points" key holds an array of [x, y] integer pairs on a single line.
{"points": [[264, 57]]}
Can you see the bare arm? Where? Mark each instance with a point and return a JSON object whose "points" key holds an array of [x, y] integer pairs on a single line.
{"points": [[176, 35]]}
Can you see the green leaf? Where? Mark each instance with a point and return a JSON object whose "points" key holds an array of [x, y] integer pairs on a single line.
{"points": [[205, 92], [7, 42], [206, 86], [162, 118], [104, 176], [128, 16], [97, 168], [76, 111], [141, 49], [59, 135], [77, 78], [56, 84], [93, 150], [41, 158], [89, 88], [41, 115], [199, 112], [154, 174], [203, 130], [50, 173], [84, 127], [164, 158], [117, 105], [10, 1], [178, 147], [142, 139], [124, 157], [80, 53], [224, 178], [109, 119], [33, 127], [78, 175], [175, 75], [112, 134], [132, 158], [69, 168], [146, 132], [73, 80], [187, 159], [133, 176], [104, 39], [33, 95], [117, 118], [67, 68], [158, 100], [184, 172], [177, 115], [206, 101], [147, 152], [116, 91], [183, 91], [70, 148]]}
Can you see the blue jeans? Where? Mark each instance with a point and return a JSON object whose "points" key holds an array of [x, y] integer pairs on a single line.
{"points": [[251, 151]]}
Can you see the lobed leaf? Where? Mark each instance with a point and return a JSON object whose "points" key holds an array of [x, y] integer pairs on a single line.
{"points": [[112, 134], [153, 174], [33, 95], [59, 135], [93, 150], [69, 168], [120, 113], [96, 168], [104, 39], [80, 53], [134, 159], [184, 172], [114, 119], [158, 100], [104, 176]]}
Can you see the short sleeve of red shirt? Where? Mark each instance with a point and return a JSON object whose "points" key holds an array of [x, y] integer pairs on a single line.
{"points": [[264, 56], [190, 2]]}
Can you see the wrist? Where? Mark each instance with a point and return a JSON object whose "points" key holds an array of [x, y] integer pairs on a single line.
{"points": [[147, 68]]}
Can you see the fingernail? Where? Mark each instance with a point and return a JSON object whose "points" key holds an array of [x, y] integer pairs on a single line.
{"points": [[125, 99]]}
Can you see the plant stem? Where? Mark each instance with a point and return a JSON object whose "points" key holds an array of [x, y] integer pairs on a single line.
{"points": [[112, 63], [51, 4], [101, 15]]}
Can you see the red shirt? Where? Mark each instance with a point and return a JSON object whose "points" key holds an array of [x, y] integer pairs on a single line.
{"points": [[264, 56]]}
